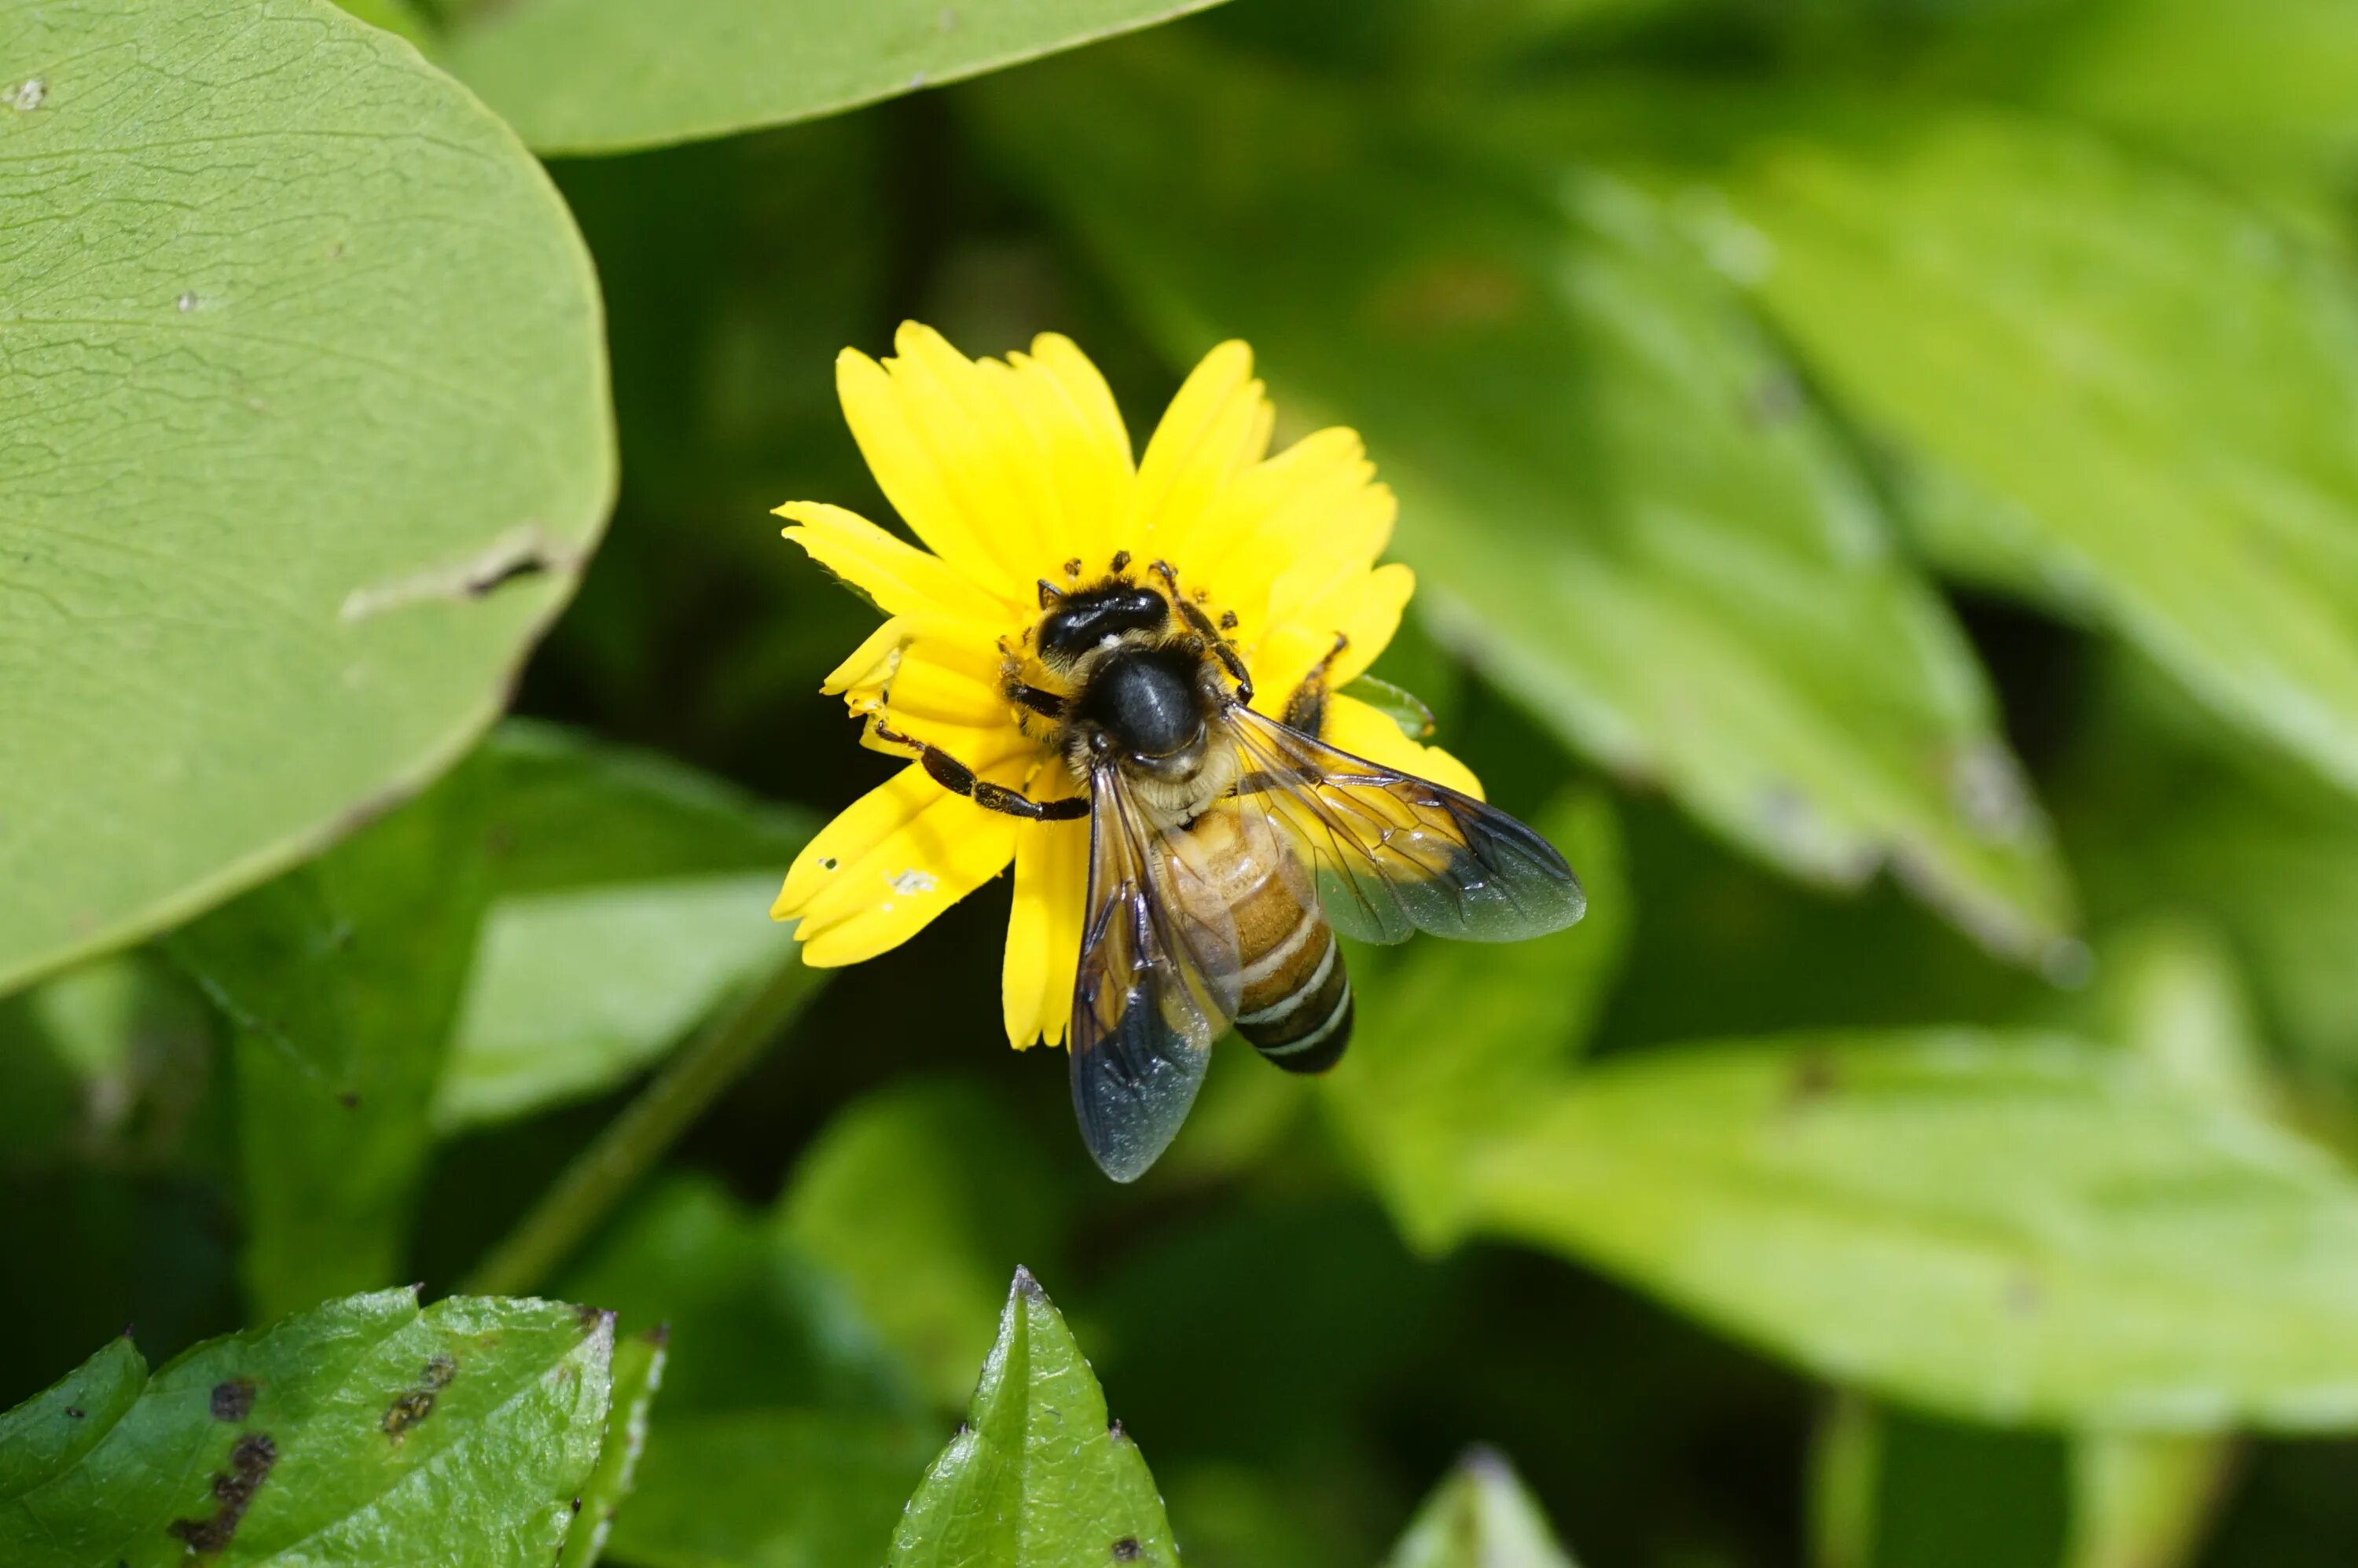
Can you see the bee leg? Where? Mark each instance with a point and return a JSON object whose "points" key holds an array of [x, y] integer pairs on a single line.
{"points": [[1201, 625], [1306, 710], [958, 779], [1040, 701]]}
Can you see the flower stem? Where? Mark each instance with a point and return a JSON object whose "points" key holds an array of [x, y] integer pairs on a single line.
{"points": [[602, 1173]]}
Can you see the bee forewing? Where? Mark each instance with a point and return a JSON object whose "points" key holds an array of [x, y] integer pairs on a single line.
{"points": [[1394, 853], [1156, 984]]}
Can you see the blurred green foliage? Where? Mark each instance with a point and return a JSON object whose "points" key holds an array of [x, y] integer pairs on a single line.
{"points": [[1880, 475]]}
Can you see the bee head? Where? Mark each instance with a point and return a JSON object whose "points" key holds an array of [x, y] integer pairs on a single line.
{"points": [[1078, 623]]}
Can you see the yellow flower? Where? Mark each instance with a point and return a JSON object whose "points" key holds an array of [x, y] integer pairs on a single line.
{"points": [[1021, 471]]}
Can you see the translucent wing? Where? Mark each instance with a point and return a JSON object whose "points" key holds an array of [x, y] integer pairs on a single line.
{"points": [[1157, 983], [1394, 853]]}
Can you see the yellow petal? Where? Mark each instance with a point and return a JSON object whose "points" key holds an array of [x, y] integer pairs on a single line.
{"points": [[997, 466], [1366, 731], [1362, 607], [1079, 445], [1215, 429], [1315, 499], [869, 668], [1043, 929], [894, 860], [902, 580], [943, 681]]}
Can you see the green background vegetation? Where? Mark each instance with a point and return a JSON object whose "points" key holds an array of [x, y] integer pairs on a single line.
{"points": [[1883, 481]]}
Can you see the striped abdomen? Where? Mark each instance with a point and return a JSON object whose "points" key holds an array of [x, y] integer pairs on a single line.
{"points": [[1294, 1000]]}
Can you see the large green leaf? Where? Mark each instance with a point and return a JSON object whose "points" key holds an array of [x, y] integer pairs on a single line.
{"points": [[364, 1432], [1622, 505], [304, 434], [2260, 84], [592, 76], [1480, 1517], [2005, 1227], [2153, 389], [1037, 1478]]}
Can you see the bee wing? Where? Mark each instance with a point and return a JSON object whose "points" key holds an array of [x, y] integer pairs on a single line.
{"points": [[1394, 853], [1157, 984]]}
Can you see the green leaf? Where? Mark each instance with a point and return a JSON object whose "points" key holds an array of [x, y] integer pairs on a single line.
{"points": [[305, 441], [1480, 1518], [1398, 704], [1456, 1038], [637, 1374], [1037, 1478], [574, 991], [2152, 385], [601, 76], [915, 1198], [2016, 1228], [2262, 85], [1619, 503], [572, 812], [347, 982], [2168, 987], [366, 1431]]}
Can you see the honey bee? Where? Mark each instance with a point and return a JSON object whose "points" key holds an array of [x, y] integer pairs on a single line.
{"points": [[1227, 848]]}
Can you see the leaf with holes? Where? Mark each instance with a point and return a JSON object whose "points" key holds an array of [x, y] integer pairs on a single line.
{"points": [[364, 1431], [304, 431]]}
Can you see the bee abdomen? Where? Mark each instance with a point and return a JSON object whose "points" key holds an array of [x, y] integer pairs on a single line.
{"points": [[1297, 1007]]}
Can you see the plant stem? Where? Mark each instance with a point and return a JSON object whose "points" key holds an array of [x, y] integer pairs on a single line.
{"points": [[602, 1173]]}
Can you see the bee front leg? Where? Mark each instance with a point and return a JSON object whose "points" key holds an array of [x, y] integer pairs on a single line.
{"points": [[1201, 625], [958, 779]]}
